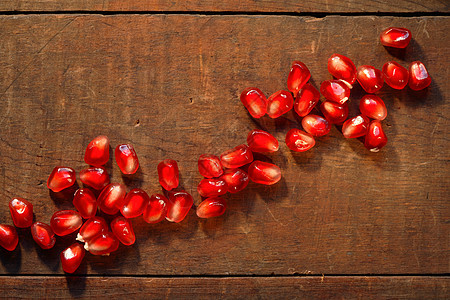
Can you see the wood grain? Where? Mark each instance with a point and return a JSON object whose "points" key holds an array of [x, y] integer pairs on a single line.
{"points": [[170, 85]]}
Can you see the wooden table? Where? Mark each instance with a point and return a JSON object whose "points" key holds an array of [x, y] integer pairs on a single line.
{"points": [[166, 77]]}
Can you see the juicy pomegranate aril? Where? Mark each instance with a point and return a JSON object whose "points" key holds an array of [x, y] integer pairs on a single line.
{"points": [[370, 78], [156, 209], [122, 229], [342, 67], [65, 222], [43, 235], [236, 157], [306, 99], [335, 90], [355, 127], [95, 177], [395, 75], [316, 125], [418, 76], [61, 178], [178, 205], [236, 179], [168, 174], [211, 207], [85, 202], [373, 107], [375, 138], [21, 212], [334, 112], [135, 202], [126, 158], [102, 244], [8, 237], [209, 166], [262, 141], [72, 257], [299, 141], [97, 152], [91, 228], [298, 76], [395, 37], [264, 173], [111, 199], [212, 187], [254, 101], [279, 103]]}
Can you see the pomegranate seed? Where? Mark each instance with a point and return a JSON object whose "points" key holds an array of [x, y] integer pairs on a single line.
{"points": [[8, 237], [21, 212], [236, 157], [262, 141], [334, 112], [97, 152], [395, 75], [61, 178], [373, 107], [102, 244], [316, 125], [335, 90], [72, 257], [418, 76], [111, 199], [236, 179], [122, 229], [375, 138], [65, 222], [355, 127], [43, 235], [298, 76], [342, 67], [178, 206], [95, 177], [135, 202], [211, 207], [306, 99], [85, 202], [91, 228], [254, 101], [370, 79], [279, 103], [209, 166], [168, 174], [126, 158], [264, 173], [156, 209], [299, 141], [395, 37], [211, 187]]}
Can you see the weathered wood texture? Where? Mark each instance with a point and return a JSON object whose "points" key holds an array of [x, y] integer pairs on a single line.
{"points": [[170, 85], [357, 6]]}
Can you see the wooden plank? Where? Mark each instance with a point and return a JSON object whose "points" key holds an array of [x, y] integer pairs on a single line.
{"points": [[353, 6], [339, 208], [352, 287]]}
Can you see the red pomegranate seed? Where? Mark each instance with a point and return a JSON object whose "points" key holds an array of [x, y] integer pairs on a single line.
{"points": [[236, 157], [135, 202], [91, 228], [65, 222], [299, 141], [211, 207], [375, 138], [334, 112], [122, 229], [21, 212], [209, 166], [178, 205], [342, 67], [102, 244], [355, 127], [370, 79], [111, 199], [254, 101], [335, 90], [373, 107], [262, 141], [43, 235], [395, 37], [156, 209], [168, 174], [395, 75], [85, 202], [212, 187], [61, 178], [298, 76], [8, 237], [316, 125], [236, 179], [306, 99], [97, 152], [279, 103], [95, 177], [264, 173], [126, 158], [418, 76], [72, 257]]}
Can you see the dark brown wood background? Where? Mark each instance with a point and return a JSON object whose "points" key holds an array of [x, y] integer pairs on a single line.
{"points": [[166, 76]]}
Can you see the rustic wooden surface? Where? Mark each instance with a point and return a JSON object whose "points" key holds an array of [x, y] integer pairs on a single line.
{"points": [[169, 84]]}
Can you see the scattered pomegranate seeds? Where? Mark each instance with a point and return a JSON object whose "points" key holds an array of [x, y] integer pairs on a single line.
{"points": [[306, 99], [21, 212], [111, 199], [334, 112], [370, 79], [298, 76], [178, 205], [264, 173], [342, 67], [395, 75], [418, 76], [299, 141], [126, 159], [209, 166], [262, 141], [373, 107], [135, 202], [122, 229], [236, 179], [61, 178], [97, 152], [395, 37], [102, 244], [279, 103], [8, 237], [212, 187], [168, 174], [254, 101], [72, 257], [211, 207], [335, 90], [236, 157], [375, 138], [65, 222], [43, 235], [95, 177], [156, 209], [85, 202], [91, 228], [355, 127], [316, 125]]}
